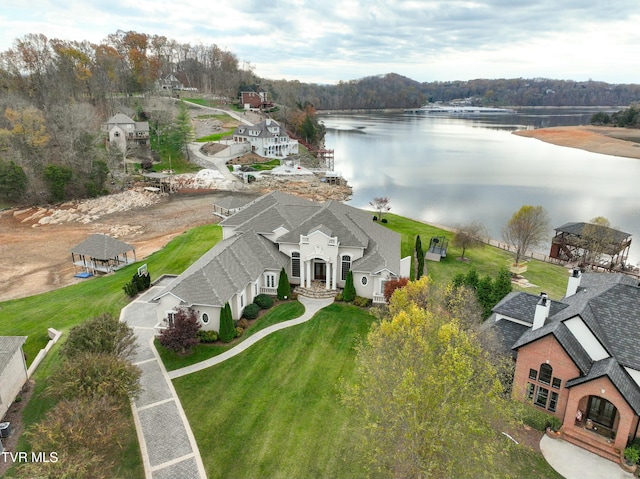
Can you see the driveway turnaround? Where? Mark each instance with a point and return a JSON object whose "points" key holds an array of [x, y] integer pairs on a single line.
{"points": [[573, 462], [167, 444]]}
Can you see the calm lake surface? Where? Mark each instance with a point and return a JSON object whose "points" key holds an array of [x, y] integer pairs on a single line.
{"points": [[450, 171]]}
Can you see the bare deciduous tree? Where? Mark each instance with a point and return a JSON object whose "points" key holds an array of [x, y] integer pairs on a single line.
{"points": [[526, 229]]}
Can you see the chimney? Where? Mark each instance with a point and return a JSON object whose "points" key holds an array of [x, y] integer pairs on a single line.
{"points": [[542, 311], [573, 283]]}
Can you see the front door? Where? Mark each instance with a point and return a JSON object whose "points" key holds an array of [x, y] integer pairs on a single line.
{"points": [[320, 271], [601, 411]]}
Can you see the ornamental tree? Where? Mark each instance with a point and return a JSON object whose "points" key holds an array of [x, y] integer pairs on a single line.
{"points": [[182, 334], [526, 229]]}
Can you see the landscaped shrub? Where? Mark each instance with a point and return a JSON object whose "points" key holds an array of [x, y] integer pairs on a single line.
{"points": [[284, 288], [375, 218], [251, 311], [226, 333], [207, 336], [182, 334], [349, 292], [383, 220], [393, 284], [243, 323], [361, 302], [130, 289], [339, 296], [139, 282], [264, 301], [239, 331]]}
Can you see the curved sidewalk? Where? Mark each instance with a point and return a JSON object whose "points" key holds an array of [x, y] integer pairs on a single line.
{"points": [[311, 307], [167, 444], [573, 462]]}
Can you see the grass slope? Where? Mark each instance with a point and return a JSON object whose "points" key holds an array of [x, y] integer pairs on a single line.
{"points": [[274, 411], [64, 308], [487, 260]]}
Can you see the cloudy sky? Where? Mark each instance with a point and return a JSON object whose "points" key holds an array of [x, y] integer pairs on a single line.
{"points": [[325, 41]]}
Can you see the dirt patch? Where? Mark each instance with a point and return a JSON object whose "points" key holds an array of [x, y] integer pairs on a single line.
{"points": [[35, 258], [596, 139]]}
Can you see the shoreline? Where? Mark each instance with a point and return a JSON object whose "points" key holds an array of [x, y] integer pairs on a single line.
{"points": [[605, 140]]}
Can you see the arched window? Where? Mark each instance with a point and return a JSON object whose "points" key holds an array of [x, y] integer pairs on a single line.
{"points": [[295, 264], [346, 266], [546, 372]]}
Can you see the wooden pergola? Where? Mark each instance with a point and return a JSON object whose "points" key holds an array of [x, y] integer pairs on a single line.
{"points": [[591, 245], [101, 253]]}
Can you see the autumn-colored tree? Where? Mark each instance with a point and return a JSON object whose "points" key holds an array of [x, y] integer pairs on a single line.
{"points": [[92, 375], [433, 368], [182, 334], [84, 436], [526, 229], [393, 284], [103, 334]]}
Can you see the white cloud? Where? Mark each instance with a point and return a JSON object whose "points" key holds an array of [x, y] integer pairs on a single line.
{"points": [[341, 40]]}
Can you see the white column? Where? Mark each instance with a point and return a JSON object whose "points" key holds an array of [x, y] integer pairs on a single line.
{"points": [[302, 267], [308, 275], [334, 270], [328, 275]]}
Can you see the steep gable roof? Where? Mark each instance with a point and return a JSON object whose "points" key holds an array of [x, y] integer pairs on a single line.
{"points": [[101, 246], [225, 270]]}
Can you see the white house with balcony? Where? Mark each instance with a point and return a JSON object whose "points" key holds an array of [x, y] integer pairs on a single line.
{"points": [[267, 139], [317, 244]]}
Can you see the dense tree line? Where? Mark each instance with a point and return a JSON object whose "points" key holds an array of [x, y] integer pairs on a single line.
{"points": [[628, 117]]}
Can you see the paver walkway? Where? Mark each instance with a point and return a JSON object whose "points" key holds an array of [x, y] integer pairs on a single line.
{"points": [[167, 444], [573, 462]]}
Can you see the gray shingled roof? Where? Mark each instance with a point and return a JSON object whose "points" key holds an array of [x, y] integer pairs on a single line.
{"points": [[610, 368], [101, 246], [609, 306], [8, 347], [231, 202], [299, 216], [522, 306], [120, 119], [226, 269], [261, 129], [605, 232]]}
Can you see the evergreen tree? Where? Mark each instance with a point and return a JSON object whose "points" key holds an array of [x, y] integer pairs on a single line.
{"points": [[349, 293], [284, 288], [227, 331], [13, 180], [485, 294], [419, 258], [501, 285], [472, 278]]}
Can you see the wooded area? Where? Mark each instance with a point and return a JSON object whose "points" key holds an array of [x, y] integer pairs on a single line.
{"points": [[57, 95]]}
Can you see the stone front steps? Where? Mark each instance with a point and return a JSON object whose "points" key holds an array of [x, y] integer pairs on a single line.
{"points": [[315, 292], [591, 442]]}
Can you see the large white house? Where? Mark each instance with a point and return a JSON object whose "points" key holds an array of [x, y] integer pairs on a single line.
{"points": [[267, 139], [316, 243], [13, 370]]}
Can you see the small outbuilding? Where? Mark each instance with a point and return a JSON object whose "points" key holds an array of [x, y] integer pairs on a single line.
{"points": [[13, 370], [101, 253]]}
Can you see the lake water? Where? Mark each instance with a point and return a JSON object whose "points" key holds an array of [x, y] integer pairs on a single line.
{"points": [[451, 171]]}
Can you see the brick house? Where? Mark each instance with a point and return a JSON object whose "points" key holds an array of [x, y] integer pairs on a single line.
{"points": [[255, 99], [578, 358]]}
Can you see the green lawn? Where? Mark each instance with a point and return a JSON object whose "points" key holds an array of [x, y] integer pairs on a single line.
{"points": [[547, 277], [65, 307], [280, 312], [274, 410]]}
